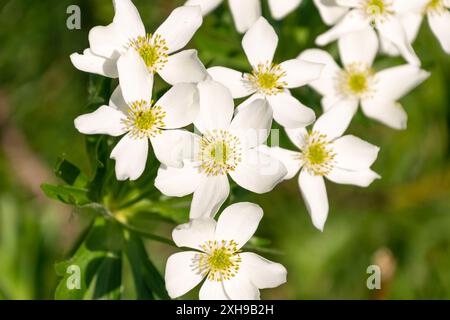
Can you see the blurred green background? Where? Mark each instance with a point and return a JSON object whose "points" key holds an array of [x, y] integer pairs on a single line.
{"points": [[401, 222]]}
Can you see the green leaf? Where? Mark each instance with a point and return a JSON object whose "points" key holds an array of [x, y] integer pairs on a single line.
{"points": [[67, 194]]}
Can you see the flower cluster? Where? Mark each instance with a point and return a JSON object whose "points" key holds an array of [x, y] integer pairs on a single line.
{"points": [[230, 142]]}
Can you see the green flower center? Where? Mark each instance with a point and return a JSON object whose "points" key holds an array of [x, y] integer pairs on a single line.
{"points": [[356, 81], [153, 51], [265, 79], [144, 120], [436, 7], [378, 10], [317, 154], [219, 261]]}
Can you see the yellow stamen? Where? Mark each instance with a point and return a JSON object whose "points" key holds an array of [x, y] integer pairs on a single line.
{"points": [[144, 120], [317, 154], [153, 51], [265, 79]]}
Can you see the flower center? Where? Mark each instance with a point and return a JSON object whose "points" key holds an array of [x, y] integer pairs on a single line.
{"points": [[436, 7], [144, 120], [317, 154], [266, 79], [220, 152], [153, 51], [377, 10], [219, 261], [356, 80]]}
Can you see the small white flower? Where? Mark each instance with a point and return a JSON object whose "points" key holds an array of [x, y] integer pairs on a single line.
{"points": [[324, 152], [246, 12], [367, 15], [438, 15], [229, 273], [357, 82], [127, 32], [268, 80], [131, 111], [227, 147]]}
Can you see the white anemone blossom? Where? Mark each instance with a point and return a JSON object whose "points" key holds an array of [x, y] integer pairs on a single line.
{"points": [[324, 152], [357, 82], [227, 146], [269, 80], [132, 112], [246, 12], [229, 273], [158, 51], [370, 15], [438, 16]]}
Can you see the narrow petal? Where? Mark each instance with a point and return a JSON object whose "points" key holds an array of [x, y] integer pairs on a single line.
{"points": [[213, 290], [353, 153], [127, 21], [195, 233], [173, 146], [180, 26], [135, 80], [297, 136], [258, 172], [290, 159], [184, 66], [329, 11], [233, 80], [104, 120], [289, 112], [238, 222], [181, 105], [181, 275], [315, 196], [360, 178], [216, 106], [205, 5], [89, 62], [300, 72], [209, 196], [131, 156], [239, 287], [334, 122], [260, 43], [358, 47], [177, 182], [388, 112], [263, 273], [440, 25], [281, 8], [245, 13]]}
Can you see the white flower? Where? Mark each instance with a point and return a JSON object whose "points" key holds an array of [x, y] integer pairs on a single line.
{"points": [[367, 15], [127, 32], [330, 11], [246, 12], [269, 80], [229, 272], [438, 17], [324, 152], [227, 147], [357, 82], [131, 111]]}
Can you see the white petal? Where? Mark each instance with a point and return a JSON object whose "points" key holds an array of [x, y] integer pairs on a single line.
{"points": [[213, 290], [104, 120], [263, 273], [388, 112], [105, 42], [353, 153], [326, 83], [391, 29], [289, 112], [195, 233], [252, 123], [314, 194], [329, 11], [181, 275], [184, 66], [135, 80], [173, 146], [360, 178], [177, 182], [233, 80], [180, 104], [402, 7], [440, 25], [216, 106], [209, 196], [300, 72], [349, 3], [131, 156], [335, 121], [290, 159], [245, 13], [117, 101], [297, 136], [258, 172], [205, 5], [127, 21], [180, 26], [281, 8], [89, 62], [358, 47], [239, 287], [238, 222], [353, 21], [260, 43], [395, 82]]}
